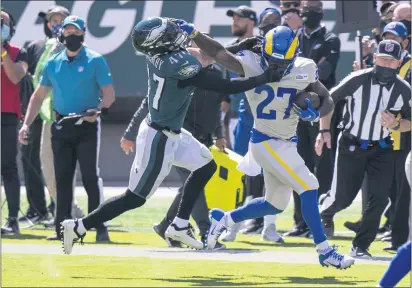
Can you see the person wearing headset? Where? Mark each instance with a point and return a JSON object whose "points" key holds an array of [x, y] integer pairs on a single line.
{"points": [[82, 84], [13, 68]]}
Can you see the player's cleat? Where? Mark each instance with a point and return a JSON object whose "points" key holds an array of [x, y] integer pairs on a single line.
{"points": [[160, 230], [70, 235], [218, 246], [184, 235], [298, 232], [230, 234], [255, 226], [269, 233], [360, 253], [335, 259], [217, 227]]}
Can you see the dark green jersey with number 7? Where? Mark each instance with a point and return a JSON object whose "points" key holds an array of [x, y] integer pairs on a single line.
{"points": [[167, 103]]}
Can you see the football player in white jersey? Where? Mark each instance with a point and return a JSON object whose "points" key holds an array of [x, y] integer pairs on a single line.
{"points": [[273, 139]]}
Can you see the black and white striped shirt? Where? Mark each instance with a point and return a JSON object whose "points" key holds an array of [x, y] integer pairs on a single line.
{"points": [[366, 99]]}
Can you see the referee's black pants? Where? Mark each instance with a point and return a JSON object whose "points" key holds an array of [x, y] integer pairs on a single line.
{"points": [[72, 143], [351, 163], [33, 176], [321, 166]]}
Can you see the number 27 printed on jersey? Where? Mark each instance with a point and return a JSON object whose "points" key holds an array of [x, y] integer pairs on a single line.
{"points": [[281, 92]]}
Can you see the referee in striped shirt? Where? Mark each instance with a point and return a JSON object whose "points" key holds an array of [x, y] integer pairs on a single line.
{"points": [[374, 97]]}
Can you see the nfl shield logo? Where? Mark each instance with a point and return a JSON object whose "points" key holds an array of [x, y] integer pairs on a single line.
{"points": [[80, 69], [352, 148], [389, 47]]}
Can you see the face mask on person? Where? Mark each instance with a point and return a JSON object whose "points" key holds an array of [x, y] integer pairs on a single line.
{"points": [[265, 29], [5, 33], [385, 75], [311, 19], [73, 42], [56, 29]]}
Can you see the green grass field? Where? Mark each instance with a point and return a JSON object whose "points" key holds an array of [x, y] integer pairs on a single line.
{"points": [[135, 228]]}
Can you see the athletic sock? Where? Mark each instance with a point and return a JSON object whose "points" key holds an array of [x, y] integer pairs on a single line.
{"points": [[398, 268], [194, 185], [112, 208], [256, 208], [310, 213], [181, 223]]}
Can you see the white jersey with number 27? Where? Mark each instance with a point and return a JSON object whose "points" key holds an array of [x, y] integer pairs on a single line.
{"points": [[272, 103]]}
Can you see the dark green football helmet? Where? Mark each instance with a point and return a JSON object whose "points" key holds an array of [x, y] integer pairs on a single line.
{"points": [[158, 35]]}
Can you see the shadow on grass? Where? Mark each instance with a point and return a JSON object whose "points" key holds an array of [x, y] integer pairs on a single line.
{"points": [[234, 280], [286, 244], [205, 251], [23, 237]]}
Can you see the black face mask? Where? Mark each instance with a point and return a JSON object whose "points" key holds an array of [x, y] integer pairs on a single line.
{"points": [[385, 75], [265, 29], [407, 24], [73, 42], [284, 12], [311, 19]]}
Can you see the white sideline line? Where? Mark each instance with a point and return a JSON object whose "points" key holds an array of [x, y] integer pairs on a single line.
{"points": [[235, 255]]}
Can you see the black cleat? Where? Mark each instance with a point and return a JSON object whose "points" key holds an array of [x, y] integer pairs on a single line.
{"points": [[11, 227], [102, 235], [358, 252]]}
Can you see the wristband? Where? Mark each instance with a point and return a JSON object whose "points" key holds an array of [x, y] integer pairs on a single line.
{"points": [[194, 34], [324, 131], [4, 53], [396, 128]]}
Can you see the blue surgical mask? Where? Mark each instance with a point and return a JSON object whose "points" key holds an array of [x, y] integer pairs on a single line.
{"points": [[56, 29], [5, 33]]}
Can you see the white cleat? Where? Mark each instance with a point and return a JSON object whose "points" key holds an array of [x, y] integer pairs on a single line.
{"points": [[269, 233], [183, 235], [217, 227], [70, 235], [230, 234], [335, 259]]}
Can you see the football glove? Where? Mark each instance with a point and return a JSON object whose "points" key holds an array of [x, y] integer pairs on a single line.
{"points": [[186, 27], [309, 114]]}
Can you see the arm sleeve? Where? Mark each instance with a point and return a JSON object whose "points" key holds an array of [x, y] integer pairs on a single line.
{"points": [[44, 78], [133, 129], [212, 82], [103, 75], [331, 53]]}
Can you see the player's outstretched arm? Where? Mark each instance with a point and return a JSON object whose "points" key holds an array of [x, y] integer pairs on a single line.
{"points": [[216, 50], [210, 81], [211, 47]]}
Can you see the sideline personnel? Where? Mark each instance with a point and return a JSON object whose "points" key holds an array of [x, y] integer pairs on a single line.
{"points": [[374, 96], [13, 68], [77, 76]]}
